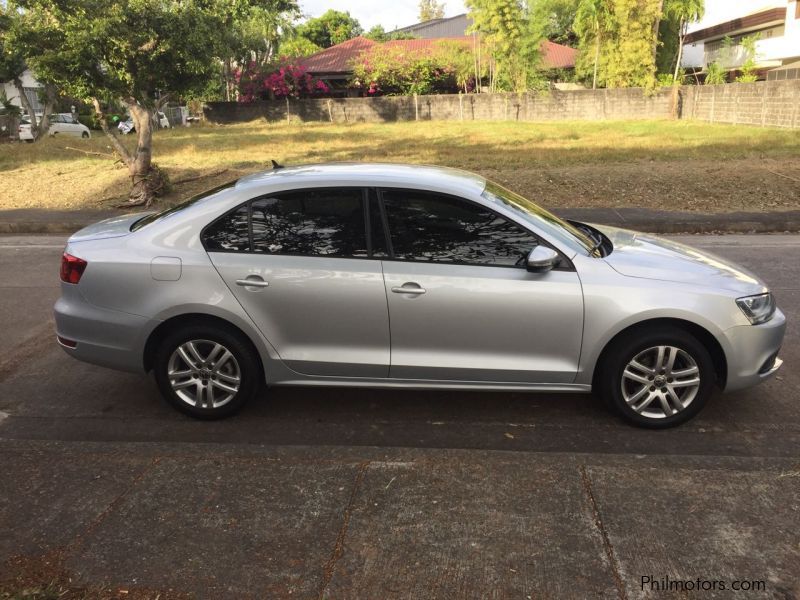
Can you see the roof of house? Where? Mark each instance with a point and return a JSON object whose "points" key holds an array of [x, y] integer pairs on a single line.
{"points": [[437, 28], [338, 59]]}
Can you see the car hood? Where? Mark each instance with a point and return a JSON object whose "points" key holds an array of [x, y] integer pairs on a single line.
{"points": [[651, 257], [108, 228]]}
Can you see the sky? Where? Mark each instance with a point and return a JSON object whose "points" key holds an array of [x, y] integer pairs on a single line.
{"points": [[399, 13], [390, 14]]}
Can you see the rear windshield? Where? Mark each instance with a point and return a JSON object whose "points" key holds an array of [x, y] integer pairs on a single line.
{"points": [[153, 217]]}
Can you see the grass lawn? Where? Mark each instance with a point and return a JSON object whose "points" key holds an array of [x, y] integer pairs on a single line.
{"points": [[673, 165]]}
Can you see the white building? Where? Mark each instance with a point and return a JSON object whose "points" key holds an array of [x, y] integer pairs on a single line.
{"points": [[31, 87], [776, 25]]}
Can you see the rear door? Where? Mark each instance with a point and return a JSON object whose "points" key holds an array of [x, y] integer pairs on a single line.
{"points": [[300, 265], [462, 306]]}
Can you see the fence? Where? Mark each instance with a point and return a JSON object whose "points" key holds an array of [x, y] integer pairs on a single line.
{"points": [[773, 103]]}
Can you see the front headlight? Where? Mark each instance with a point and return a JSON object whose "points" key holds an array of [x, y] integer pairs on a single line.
{"points": [[758, 309]]}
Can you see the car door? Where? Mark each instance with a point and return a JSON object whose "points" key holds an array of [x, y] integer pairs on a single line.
{"points": [[300, 265], [462, 307]]}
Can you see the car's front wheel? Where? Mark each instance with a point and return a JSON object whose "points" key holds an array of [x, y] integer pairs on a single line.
{"points": [[85, 135], [658, 378], [206, 371]]}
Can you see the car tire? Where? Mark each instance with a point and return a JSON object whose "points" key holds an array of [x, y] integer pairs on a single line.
{"points": [[199, 383], [642, 391], [85, 135]]}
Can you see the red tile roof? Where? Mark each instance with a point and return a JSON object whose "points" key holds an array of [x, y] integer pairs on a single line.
{"points": [[339, 58], [558, 56]]}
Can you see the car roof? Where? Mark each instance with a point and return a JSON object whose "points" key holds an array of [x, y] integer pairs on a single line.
{"points": [[366, 174]]}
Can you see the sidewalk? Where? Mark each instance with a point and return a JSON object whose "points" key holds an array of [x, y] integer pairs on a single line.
{"points": [[642, 219], [214, 521]]}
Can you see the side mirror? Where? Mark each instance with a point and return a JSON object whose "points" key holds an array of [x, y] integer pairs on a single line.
{"points": [[541, 259]]}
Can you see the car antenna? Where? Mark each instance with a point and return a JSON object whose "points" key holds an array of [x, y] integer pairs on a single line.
{"points": [[275, 165]]}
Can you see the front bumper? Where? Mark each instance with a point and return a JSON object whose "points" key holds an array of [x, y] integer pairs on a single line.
{"points": [[752, 352]]}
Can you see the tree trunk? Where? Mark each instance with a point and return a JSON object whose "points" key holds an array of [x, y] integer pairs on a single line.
{"points": [[596, 61], [656, 25], [680, 52], [23, 99], [148, 181]]}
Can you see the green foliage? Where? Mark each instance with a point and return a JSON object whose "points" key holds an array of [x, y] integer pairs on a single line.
{"points": [[329, 29], [379, 34], [628, 59], [593, 25], [430, 9], [747, 72], [134, 49], [716, 74], [297, 46], [554, 20], [7, 107], [511, 39], [392, 69]]}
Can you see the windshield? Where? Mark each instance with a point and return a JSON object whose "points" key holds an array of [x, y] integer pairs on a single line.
{"points": [[152, 218], [557, 228]]}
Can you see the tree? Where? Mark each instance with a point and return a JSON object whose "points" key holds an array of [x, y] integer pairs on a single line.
{"points": [[22, 35], [133, 52], [554, 19], [296, 46], [333, 27], [748, 69], [685, 12], [592, 22], [507, 33], [430, 9], [628, 58]]}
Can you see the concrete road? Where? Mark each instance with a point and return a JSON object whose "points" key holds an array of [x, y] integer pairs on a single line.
{"points": [[364, 493]]}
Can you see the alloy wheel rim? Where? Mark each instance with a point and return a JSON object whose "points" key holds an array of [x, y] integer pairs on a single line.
{"points": [[660, 382], [204, 374]]}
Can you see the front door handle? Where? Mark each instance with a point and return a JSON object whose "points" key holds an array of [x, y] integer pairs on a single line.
{"points": [[254, 282], [409, 288]]}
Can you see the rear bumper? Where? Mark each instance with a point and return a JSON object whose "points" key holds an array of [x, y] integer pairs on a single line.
{"points": [[100, 336], [753, 352]]}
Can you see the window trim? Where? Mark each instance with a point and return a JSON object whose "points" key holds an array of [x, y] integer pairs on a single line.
{"points": [[249, 204], [566, 263]]}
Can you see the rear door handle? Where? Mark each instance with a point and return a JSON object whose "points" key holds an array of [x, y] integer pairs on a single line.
{"points": [[409, 288], [259, 283]]}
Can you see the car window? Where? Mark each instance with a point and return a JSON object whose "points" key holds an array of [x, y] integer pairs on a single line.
{"points": [[323, 222], [429, 227], [310, 222], [157, 216]]}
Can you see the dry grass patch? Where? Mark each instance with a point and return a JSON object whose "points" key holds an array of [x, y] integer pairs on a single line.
{"points": [[656, 164]]}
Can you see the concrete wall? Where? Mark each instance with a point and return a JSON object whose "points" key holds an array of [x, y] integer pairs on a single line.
{"points": [[774, 103], [765, 103], [551, 106]]}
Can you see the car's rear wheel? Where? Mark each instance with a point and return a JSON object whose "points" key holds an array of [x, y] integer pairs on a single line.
{"points": [[658, 378], [206, 371]]}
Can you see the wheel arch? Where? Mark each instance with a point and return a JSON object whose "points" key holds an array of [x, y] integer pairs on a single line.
{"points": [[702, 335], [173, 323]]}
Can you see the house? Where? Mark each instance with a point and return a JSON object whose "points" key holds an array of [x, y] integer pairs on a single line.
{"points": [[31, 88], [437, 28], [334, 65], [777, 50]]}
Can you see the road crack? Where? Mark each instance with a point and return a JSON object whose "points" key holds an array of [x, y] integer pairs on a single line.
{"points": [[338, 548], [598, 521]]}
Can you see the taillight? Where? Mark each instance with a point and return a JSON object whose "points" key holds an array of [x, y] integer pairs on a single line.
{"points": [[72, 268]]}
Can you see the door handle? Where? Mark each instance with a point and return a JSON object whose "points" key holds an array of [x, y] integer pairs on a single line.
{"points": [[414, 291], [260, 283]]}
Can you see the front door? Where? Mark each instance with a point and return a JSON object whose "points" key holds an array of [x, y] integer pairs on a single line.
{"points": [[463, 307], [299, 264]]}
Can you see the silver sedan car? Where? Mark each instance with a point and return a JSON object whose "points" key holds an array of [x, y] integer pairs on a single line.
{"points": [[413, 277]]}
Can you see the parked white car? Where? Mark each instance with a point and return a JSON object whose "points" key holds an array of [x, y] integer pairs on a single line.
{"points": [[60, 124], [125, 127]]}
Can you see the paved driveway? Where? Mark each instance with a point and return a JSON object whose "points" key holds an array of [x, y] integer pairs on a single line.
{"points": [[367, 493]]}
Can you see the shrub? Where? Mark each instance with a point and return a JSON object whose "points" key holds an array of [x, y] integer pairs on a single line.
{"points": [[257, 83]]}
